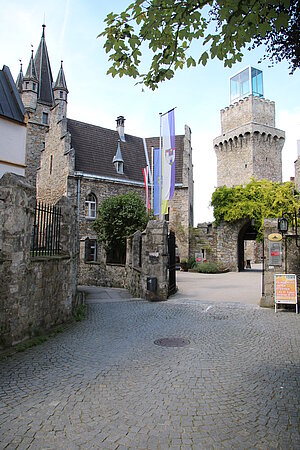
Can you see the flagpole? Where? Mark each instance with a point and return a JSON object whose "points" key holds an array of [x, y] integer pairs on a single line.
{"points": [[160, 168], [152, 184]]}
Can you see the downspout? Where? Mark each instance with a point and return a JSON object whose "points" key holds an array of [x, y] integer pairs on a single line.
{"points": [[78, 199]]}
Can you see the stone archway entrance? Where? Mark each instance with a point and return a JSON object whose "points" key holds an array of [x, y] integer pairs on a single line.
{"points": [[246, 233]]}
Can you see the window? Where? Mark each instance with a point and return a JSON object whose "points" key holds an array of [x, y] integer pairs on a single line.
{"points": [[51, 164], [90, 206], [61, 94], [33, 86], [43, 146], [26, 84], [90, 250], [45, 118]]}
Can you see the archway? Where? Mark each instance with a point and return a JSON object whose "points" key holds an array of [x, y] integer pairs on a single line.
{"points": [[247, 233]]}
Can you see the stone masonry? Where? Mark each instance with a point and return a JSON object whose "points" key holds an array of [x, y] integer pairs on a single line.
{"points": [[290, 262], [250, 145], [35, 292]]}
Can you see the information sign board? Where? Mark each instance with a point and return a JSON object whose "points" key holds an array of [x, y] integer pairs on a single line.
{"points": [[275, 252], [285, 289]]}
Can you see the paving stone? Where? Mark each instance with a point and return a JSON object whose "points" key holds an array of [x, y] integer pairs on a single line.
{"points": [[104, 384]]}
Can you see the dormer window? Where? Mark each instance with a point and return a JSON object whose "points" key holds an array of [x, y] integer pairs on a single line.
{"points": [[118, 160], [90, 206]]}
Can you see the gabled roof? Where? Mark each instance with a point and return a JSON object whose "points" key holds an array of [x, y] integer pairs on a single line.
{"points": [[179, 148], [95, 148], [44, 74], [11, 105]]}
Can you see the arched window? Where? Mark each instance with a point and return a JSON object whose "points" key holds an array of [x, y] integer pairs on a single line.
{"points": [[90, 206]]}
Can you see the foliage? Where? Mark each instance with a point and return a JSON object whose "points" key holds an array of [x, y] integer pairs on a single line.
{"points": [[79, 313], [208, 268], [221, 28], [256, 200], [118, 218]]}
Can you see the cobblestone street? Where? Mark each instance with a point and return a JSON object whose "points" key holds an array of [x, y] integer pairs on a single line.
{"points": [[105, 384]]}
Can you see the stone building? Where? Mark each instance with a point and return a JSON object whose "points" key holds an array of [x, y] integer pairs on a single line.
{"points": [[12, 126], [250, 145], [89, 163]]}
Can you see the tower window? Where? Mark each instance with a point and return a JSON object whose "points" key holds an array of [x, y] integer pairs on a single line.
{"points": [[43, 146], [45, 118], [61, 94], [246, 165], [33, 86], [90, 206], [26, 85], [51, 164]]}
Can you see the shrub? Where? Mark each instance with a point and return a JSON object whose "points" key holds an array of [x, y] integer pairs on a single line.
{"points": [[209, 268]]}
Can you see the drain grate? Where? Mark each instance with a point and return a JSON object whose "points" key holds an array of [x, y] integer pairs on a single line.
{"points": [[172, 342]]}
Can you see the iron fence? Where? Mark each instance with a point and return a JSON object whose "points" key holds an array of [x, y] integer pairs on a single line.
{"points": [[46, 230]]}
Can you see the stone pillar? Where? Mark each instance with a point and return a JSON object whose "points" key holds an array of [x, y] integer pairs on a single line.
{"points": [[290, 261], [155, 259]]}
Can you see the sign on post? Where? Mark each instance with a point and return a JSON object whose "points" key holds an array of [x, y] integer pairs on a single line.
{"points": [[285, 289]]}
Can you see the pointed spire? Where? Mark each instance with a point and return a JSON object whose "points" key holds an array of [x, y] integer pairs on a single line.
{"points": [[20, 78], [61, 80], [44, 74], [31, 70]]}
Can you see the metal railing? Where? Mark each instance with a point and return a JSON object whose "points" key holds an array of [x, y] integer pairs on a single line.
{"points": [[46, 230]]}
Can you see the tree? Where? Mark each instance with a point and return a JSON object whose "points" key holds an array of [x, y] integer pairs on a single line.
{"points": [[224, 28], [256, 200], [118, 217]]}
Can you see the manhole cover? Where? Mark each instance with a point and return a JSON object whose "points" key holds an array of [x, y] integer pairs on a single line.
{"points": [[172, 342]]}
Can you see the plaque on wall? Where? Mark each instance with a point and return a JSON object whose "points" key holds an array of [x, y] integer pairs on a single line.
{"points": [[275, 253]]}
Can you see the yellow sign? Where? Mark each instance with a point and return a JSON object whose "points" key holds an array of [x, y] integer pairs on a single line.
{"points": [[275, 237]]}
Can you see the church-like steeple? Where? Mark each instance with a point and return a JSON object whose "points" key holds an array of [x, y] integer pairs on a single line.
{"points": [[30, 85], [31, 70], [61, 80], [20, 77], [44, 74], [60, 92]]}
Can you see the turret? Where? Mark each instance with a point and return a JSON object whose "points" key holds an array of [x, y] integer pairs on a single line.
{"points": [[30, 86], [60, 92]]}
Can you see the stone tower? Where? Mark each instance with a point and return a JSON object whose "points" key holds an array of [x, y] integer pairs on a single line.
{"points": [[249, 145], [39, 96]]}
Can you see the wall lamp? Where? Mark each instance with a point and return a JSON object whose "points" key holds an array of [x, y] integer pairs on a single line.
{"points": [[283, 225]]}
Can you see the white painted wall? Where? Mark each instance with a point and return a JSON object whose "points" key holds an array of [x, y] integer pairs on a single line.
{"points": [[12, 147]]}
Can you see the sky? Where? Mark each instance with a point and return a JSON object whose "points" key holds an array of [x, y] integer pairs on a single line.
{"points": [[72, 27]]}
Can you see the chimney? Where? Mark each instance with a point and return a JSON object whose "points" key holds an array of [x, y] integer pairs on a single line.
{"points": [[120, 127]]}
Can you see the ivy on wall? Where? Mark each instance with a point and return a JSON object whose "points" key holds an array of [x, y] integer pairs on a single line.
{"points": [[256, 200]]}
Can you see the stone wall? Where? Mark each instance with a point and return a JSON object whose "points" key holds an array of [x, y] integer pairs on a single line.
{"points": [[52, 176], [290, 262], [150, 261], [36, 137], [37, 292], [250, 145], [204, 242], [246, 110], [98, 273], [297, 171]]}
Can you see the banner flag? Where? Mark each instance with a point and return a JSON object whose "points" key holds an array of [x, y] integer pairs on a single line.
{"points": [[145, 173], [156, 183], [168, 159]]}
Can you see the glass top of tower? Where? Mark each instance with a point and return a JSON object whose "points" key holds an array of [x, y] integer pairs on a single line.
{"points": [[248, 81]]}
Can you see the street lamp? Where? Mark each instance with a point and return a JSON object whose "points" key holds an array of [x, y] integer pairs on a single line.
{"points": [[283, 225]]}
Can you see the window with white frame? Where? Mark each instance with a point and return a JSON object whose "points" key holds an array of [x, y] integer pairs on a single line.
{"points": [[90, 206]]}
